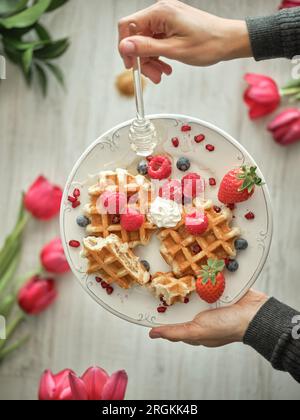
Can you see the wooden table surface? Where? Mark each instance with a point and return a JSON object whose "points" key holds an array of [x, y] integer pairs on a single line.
{"points": [[47, 136]]}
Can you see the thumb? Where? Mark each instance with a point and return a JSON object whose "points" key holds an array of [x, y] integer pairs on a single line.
{"points": [[144, 46], [179, 332]]}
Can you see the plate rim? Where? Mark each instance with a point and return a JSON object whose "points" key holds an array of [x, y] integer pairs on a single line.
{"points": [[185, 119]]}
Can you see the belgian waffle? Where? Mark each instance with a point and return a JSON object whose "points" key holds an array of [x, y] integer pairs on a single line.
{"points": [[171, 289], [138, 191], [178, 245], [115, 261]]}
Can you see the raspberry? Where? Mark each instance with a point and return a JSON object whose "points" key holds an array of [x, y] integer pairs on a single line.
{"points": [[160, 167], [192, 185], [132, 220], [113, 202], [171, 190], [196, 223]]}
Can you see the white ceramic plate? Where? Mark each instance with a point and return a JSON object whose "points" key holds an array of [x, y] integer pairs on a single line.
{"points": [[111, 151]]}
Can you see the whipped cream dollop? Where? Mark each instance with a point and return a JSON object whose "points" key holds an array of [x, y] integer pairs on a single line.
{"points": [[164, 213]]}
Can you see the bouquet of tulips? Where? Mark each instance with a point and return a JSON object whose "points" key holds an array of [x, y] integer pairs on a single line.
{"points": [[263, 97], [33, 293]]}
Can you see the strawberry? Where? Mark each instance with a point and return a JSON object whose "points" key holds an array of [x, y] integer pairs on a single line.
{"points": [[238, 185], [210, 285]]}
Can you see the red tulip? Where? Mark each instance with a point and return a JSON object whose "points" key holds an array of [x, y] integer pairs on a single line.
{"points": [[36, 295], [53, 257], [262, 96], [96, 384], [286, 127], [55, 387], [289, 3], [43, 199]]}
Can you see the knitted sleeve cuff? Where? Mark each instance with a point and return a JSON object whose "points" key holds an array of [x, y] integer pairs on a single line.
{"points": [[275, 36], [265, 331]]}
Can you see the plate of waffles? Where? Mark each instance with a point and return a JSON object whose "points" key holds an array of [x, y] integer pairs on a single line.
{"points": [[156, 241]]}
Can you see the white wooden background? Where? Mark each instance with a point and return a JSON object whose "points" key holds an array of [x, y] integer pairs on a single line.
{"points": [[47, 136]]}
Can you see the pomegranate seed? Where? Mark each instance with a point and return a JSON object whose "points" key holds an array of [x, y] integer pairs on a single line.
{"points": [[72, 199], [186, 128], [186, 300], [76, 193], [104, 284], [200, 138], [250, 215], [109, 290], [98, 279], [231, 206], [226, 261], [76, 204], [175, 142], [210, 148], [116, 219], [217, 209], [74, 244], [161, 309], [212, 182]]}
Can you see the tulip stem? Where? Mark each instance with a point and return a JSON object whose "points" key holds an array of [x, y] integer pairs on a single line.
{"points": [[9, 273], [289, 91], [15, 346]]}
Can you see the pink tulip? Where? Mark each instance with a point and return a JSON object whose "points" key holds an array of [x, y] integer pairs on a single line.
{"points": [[43, 199], [53, 257], [36, 295], [286, 127], [289, 3], [95, 384], [262, 96], [55, 387]]}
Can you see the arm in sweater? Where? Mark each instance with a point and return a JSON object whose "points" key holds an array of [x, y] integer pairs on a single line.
{"points": [[275, 36], [275, 334]]}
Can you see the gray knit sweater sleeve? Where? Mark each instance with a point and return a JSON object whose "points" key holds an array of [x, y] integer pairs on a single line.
{"points": [[275, 36], [275, 334]]}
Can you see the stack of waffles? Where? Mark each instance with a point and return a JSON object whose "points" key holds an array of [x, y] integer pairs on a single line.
{"points": [[109, 248]]}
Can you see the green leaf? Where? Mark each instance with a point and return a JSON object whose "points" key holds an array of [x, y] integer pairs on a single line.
{"points": [[57, 73], [27, 17], [8, 7], [53, 50], [55, 4], [42, 78], [20, 45], [27, 59], [42, 32], [9, 273], [292, 84]]}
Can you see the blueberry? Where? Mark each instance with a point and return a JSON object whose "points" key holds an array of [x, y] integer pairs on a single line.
{"points": [[232, 266], [143, 167], [241, 244], [183, 164], [146, 265], [82, 221]]}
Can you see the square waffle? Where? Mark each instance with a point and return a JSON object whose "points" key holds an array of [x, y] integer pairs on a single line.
{"points": [[115, 261], [138, 191], [217, 242]]}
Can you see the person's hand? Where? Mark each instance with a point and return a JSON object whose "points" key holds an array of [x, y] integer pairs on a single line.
{"points": [[180, 32], [217, 327]]}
